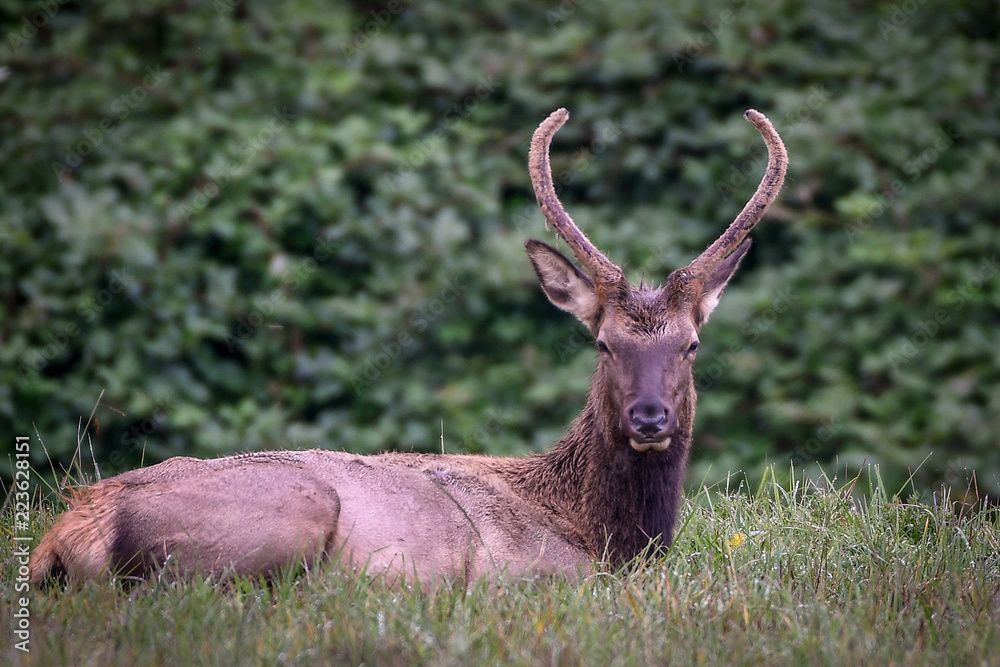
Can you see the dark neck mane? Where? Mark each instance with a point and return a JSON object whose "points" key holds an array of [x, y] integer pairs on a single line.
{"points": [[610, 498]]}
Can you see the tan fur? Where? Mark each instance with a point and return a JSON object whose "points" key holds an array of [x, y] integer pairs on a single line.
{"points": [[400, 515], [608, 488], [78, 543]]}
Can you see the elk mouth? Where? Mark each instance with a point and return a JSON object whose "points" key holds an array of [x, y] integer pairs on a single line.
{"points": [[649, 425], [646, 444]]}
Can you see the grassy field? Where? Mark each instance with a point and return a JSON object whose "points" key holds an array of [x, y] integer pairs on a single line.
{"points": [[807, 575]]}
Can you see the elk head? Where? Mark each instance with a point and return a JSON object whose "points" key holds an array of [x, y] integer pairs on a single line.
{"points": [[647, 336]]}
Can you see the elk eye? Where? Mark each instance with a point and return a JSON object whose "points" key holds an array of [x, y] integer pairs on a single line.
{"points": [[692, 349], [602, 347]]}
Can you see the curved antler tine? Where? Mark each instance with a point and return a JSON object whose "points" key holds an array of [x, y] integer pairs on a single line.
{"points": [[767, 192], [601, 269]]}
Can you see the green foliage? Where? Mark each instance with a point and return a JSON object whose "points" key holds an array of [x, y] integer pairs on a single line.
{"points": [[786, 575], [257, 225]]}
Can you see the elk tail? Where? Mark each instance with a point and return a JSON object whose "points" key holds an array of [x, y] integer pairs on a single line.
{"points": [[77, 547]]}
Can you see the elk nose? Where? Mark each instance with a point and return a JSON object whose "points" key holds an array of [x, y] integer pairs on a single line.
{"points": [[648, 419]]}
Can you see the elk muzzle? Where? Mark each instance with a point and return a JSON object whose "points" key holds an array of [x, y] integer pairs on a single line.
{"points": [[649, 424]]}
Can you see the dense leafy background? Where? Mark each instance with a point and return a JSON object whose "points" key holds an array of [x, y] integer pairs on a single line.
{"points": [[256, 225]]}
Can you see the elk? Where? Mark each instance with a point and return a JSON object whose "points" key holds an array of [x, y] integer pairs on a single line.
{"points": [[608, 489]]}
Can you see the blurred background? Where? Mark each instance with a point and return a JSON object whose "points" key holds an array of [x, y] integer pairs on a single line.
{"points": [[239, 225]]}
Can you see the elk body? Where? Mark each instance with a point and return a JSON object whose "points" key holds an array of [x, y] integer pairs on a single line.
{"points": [[605, 490]]}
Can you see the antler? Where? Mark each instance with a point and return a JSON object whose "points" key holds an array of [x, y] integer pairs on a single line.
{"points": [[603, 271], [767, 192]]}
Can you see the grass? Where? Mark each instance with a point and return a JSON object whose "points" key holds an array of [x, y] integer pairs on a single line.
{"points": [[807, 575]]}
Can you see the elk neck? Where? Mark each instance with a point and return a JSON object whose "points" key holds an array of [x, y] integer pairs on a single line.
{"points": [[610, 498]]}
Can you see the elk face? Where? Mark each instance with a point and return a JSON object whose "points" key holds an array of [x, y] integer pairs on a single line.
{"points": [[647, 340], [647, 337]]}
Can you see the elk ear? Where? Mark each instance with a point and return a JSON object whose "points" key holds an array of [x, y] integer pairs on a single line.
{"points": [[567, 287], [715, 284]]}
